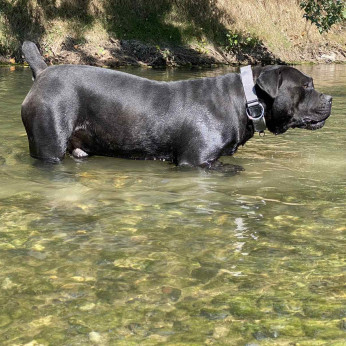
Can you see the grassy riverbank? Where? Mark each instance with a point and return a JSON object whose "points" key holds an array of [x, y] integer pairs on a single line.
{"points": [[166, 32]]}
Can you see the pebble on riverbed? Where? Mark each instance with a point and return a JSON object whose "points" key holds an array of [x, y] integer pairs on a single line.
{"points": [[95, 337], [171, 292]]}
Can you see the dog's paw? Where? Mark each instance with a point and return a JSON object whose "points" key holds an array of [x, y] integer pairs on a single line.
{"points": [[79, 153]]}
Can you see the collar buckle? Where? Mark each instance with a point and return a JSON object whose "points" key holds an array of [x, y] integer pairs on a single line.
{"points": [[255, 112], [254, 109]]}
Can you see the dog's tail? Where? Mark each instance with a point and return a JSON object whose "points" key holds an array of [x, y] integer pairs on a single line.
{"points": [[34, 58]]}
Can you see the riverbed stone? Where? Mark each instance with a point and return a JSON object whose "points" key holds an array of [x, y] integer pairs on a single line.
{"points": [[171, 292], [95, 337]]}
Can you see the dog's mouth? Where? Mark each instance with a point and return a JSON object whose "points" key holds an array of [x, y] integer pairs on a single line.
{"points": [[312, 124], [316, 118]]}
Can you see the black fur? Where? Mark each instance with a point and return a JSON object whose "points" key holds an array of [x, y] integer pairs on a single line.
{"points": [[32, 55], [98, 111]]}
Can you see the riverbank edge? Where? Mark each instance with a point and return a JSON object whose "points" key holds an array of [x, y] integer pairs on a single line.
{"points": [[120, 53]]}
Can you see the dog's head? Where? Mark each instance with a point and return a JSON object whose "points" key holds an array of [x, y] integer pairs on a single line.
{"points": [[291, 99]]}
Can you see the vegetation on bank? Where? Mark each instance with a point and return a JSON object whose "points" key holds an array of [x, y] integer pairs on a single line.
{"points": [[171, 32]]}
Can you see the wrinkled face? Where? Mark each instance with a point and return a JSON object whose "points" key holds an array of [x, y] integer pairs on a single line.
{"points": [[295, 102]]}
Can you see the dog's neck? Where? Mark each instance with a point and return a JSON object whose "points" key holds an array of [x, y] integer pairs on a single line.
{"points": [[263, 97]]}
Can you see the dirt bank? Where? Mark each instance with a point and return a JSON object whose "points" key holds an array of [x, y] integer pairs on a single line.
{"points": [[116, 53], [166, 32]]}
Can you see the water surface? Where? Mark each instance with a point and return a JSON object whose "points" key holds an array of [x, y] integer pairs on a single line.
{"points": [[119, 252]]}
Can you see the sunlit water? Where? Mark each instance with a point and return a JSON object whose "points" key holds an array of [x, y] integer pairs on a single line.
{"points": [[119, 252]]}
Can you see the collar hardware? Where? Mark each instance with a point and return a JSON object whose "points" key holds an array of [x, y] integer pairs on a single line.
{"points": [[254, 109]]}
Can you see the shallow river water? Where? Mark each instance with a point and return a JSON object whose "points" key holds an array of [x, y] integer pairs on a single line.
{"points": [[118, 252]]}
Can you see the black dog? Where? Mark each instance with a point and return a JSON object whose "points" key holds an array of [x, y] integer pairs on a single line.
{"points": [[86, 110]]}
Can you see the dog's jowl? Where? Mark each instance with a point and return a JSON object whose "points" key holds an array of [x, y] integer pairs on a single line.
{"points": [[84, 110]]}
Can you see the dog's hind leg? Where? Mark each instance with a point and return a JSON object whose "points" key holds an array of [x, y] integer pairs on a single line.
{"points": [[48, 131]]}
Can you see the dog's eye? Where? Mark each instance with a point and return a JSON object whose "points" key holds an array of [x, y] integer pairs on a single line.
{"points": [[306, 85]]}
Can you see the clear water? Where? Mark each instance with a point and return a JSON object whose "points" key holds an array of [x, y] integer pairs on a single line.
{"points": [[118, 252]]}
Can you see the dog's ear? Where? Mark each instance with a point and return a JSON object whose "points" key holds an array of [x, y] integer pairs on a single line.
{"points": [[270, 81]]}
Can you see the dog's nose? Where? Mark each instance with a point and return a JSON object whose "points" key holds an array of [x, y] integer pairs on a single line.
{"points": [[328, 98]]}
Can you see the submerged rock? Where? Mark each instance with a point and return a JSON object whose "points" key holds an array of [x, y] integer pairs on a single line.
{"points": [[204, 274], [173, 293], [7, 284], [95, 337]]}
